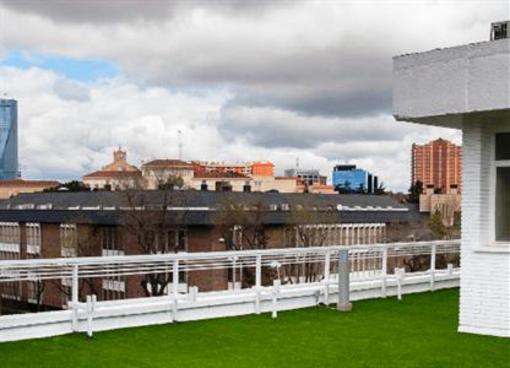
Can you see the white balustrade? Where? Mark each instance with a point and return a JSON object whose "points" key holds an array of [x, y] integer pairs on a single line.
{"points": [[283, 279]]}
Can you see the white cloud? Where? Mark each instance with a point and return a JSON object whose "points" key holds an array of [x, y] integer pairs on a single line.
{"points": [[64, 138], [320, 58], [302, 79]]}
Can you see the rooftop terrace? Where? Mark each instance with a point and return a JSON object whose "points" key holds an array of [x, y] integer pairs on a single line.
{"points": [[419, 331]]}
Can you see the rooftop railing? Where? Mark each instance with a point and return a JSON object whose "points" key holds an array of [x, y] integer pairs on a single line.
{"points": [[189, 286]]}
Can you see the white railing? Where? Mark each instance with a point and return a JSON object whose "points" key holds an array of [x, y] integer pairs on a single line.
{"points": [[282, 279]]}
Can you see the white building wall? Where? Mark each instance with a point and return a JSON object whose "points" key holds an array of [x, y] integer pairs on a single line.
{"points": [[468, 87], [485, 270], [454, 80]]}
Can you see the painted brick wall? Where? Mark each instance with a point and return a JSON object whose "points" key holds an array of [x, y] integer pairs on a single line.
{"points": [[485, 276]]}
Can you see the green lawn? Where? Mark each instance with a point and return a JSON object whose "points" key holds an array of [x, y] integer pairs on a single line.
{"points": [[419, 331]]}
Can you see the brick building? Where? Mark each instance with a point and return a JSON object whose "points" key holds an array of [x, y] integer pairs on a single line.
{"points": [[438, 164], [65, 224]]}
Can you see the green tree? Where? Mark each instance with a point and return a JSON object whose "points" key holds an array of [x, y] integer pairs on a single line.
{"points": [[415, 191], [172, 182], [70, 186], [437, 225]]}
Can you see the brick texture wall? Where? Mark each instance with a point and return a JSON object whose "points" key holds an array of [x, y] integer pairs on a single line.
{"points": [[485, 275]]}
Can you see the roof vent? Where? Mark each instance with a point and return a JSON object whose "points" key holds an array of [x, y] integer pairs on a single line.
{"points": [[499, 30]]}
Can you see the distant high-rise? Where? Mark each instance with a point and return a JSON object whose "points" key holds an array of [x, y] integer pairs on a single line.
{"points": [[437, 164], [349, 178], [8, 139]]}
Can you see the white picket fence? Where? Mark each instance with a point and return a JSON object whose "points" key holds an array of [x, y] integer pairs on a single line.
{"points": [[369, 279]]}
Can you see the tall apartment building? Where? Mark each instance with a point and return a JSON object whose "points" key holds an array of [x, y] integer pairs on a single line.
{"points": [[437, 164], [8, 139]]}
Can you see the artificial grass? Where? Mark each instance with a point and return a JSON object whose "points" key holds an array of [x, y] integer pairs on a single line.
{"points": [[419, 331]]}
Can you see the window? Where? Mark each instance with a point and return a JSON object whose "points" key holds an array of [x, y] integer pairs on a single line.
{"points": [[110, 241], [502, 190], [68, 240], [33, 232], [35, 290], [502, 146], [114, 287], [175, 241], [503, 204], [10, 249]]}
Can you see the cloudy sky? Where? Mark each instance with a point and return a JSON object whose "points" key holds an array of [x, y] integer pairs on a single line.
{"points": [[242, 80]]}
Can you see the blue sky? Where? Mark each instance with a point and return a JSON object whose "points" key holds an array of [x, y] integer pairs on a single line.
{"points": [[83, 69]]}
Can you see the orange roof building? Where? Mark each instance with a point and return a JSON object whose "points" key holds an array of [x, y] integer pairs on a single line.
{"points": [[117, 175]]}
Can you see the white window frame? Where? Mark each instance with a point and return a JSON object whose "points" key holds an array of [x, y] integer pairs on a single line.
{"points": [[33, 238], [494, 165]]}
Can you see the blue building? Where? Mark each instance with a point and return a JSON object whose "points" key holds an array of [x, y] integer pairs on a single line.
{"points": [[348, 178], [8, 139]]}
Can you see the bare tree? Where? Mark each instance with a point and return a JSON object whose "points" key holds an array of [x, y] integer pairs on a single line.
{"points": [[241, 226], [306, 228], [157, 226]]}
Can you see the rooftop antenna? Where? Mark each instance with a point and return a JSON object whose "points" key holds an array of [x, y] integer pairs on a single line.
{"points": [[180, 144]]}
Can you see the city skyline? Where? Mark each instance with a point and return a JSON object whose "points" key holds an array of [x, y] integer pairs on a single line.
{"points": [[78, 103]]}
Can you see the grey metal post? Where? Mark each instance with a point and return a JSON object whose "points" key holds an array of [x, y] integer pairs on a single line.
{"points": [[343, 304], [75, 297], [175, 287], [258, 282], [384, 271], [433, 266]]}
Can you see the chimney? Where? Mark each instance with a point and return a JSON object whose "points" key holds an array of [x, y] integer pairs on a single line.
{"points": [[453, 188], [429, 190], [203, 186], [247, 187], [500, 30], [223, 186]]}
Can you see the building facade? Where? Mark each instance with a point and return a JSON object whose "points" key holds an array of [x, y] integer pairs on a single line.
{"points": [[437, 163], [118, 175], [157, 172], [9, 168], [60, 224], [307, 177], [447, 204], [467, 87], [251, 168], [349, 178], [10, 188]]}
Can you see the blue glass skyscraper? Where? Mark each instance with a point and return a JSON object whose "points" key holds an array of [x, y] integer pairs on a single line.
{"points": [[8, 139], [350, 179]]}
